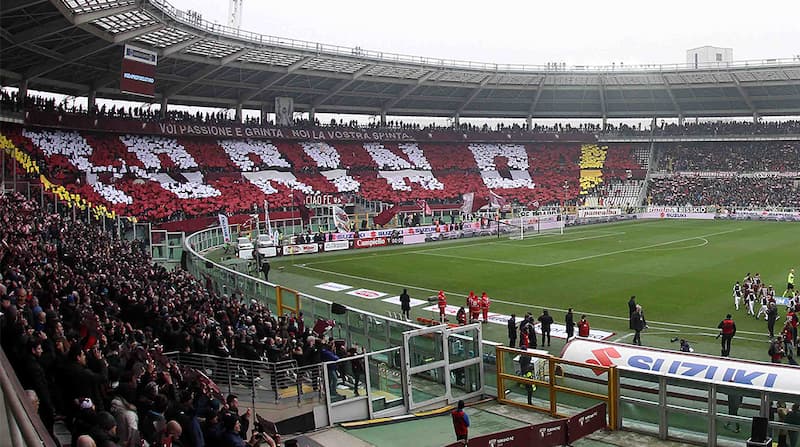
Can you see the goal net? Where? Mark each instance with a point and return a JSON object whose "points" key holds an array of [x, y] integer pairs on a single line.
{"points": [[528, 224]]}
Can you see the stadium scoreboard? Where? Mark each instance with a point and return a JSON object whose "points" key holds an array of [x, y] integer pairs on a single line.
{"points": [[138, 71]]}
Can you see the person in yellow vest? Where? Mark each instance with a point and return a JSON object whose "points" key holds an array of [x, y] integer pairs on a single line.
{"points": [[789, 283], [529, 387]]}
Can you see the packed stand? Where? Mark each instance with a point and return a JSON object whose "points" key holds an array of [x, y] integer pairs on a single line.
{"points": [[749, 156], [85, 322], [727, 192]]}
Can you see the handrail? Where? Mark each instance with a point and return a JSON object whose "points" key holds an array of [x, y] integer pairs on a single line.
{"points": [[184, 18], [189, 245], [30, 425]]}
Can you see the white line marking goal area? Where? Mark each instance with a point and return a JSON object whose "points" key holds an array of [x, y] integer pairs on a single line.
{"points": [[581, 258]]}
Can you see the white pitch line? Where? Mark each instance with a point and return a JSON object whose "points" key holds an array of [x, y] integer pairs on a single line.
{"points": [[511, 303], [701, 244], [463, 245], [599, 255]]}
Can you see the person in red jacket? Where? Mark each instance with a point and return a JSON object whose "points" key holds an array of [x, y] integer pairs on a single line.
{"points": [[727, 329], [485, 302], [442, 301], [474, 304], [583, 327], [461, 423]]}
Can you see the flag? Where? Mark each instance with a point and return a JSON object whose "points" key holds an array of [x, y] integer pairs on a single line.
{"points": [[426, 209], [226, 230], [467, 198], [267, 222], [472, 203], [496, 201], [386, 215], [340, 219], [299, 200]]}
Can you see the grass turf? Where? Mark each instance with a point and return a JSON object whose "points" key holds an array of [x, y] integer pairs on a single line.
{"points": [[681, 272]]}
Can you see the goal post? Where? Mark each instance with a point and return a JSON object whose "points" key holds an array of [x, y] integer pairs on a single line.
{"points": [[534, 223]]}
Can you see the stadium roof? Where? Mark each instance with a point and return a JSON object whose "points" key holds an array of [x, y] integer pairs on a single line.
{"points": [[75, 46]]}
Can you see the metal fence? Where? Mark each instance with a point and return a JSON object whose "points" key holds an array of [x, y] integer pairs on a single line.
{"points": [[254, 380]]}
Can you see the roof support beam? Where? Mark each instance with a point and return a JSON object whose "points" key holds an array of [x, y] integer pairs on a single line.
{"points": [[9, 6], [672, 96], [39, 32], [535, 102], [275, 79], [603, 108], [341, 86], [407, 91], [134, 33], [80, 19], [178, 47], [474, 93], [745, 96], [208, 71], [69, 58]]}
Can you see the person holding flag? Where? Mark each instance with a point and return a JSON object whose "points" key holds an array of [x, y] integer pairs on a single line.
{"points": [[442, 302]]}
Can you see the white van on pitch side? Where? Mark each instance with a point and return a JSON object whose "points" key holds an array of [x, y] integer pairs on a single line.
{"points": [[264, 243], [244, 247]]}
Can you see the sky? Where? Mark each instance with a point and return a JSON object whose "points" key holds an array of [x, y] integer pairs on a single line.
{"points": [[529, 31]]}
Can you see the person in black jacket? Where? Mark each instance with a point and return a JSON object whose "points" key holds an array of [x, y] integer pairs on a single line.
{"points": [[83, 381], [631, 307], [569, 320], [546, 321], [35, 378], [637, 323], [512, 331], [405, 304]]}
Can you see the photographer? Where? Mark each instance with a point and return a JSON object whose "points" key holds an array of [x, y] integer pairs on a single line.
{"points": [[231, 434], [776, 351]]}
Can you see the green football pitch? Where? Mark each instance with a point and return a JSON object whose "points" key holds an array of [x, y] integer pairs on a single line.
{"points": [[681, 271]]}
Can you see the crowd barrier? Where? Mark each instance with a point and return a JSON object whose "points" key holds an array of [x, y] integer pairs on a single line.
{"points": [[547, 434]]}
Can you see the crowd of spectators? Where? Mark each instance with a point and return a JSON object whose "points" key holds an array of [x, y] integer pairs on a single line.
{"points": [[11, 101], [751, 156], [64, 290], [727, 192], [729, 128]]}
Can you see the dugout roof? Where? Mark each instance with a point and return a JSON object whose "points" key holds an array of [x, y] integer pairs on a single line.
{"points": [[75, 46]]}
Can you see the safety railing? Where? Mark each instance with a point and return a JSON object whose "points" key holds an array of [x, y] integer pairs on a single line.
{"points": [[539, 381], [254, 380], [21, 426]]}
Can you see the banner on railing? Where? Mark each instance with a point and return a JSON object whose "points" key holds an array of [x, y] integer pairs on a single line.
{"points": [[300, 249], [336, 245], [676, 215], [226, 230], [371, 242], [706, 368], [599, 212]]}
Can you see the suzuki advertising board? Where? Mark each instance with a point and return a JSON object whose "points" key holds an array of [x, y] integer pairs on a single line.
{"points": [[764, 376]]}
